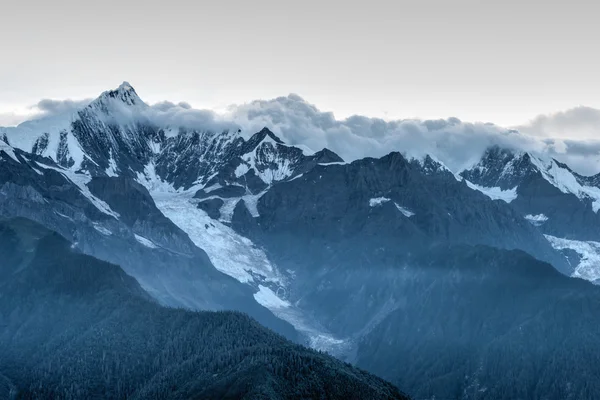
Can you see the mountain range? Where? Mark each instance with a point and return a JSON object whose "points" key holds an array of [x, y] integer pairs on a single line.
{"points": [[478, 283]]}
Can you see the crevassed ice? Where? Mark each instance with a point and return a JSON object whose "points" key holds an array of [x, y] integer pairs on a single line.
{"points": [[239, 258], [230, 253], [589, 264], [269, 299]]}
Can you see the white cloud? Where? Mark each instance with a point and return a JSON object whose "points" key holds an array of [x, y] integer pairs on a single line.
{"points": [[576, 123], [43, 108], [567, 136], [570, 136], [183, 115], [458, 144], [53, 107], [13, 118]]}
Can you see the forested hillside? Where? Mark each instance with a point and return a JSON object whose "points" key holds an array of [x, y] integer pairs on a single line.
{"points": [[74, 327], [483, 323]]}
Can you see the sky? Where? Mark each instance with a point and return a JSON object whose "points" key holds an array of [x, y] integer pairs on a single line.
{"points": [[362, 79], [504, 62]]}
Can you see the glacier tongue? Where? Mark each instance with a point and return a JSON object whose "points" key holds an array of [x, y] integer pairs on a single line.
{"points": [[230, 253], [239, 258]]}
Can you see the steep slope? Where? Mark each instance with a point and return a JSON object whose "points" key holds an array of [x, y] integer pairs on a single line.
{"points": [[567, 201], [483, 323], [558, 201], [336, 227], [116, 134], [7, 389], [63, 315], [110, 146], [116, 220]]}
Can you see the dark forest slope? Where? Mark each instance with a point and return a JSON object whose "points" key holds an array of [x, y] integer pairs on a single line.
{"points": [[75, 327]]}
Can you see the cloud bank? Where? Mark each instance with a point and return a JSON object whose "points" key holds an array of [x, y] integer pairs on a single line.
{"points": [[42, 109], [456, 143], [50, 107], [579, 122], [569, 136]]}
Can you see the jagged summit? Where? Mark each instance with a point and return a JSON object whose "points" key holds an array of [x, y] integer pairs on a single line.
{"points": [[258, 138], [501, 167], [327, 156], [506, 169], [530, 175], [124, 93], [125, 86]]}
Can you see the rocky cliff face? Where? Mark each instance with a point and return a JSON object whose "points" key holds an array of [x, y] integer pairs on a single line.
{"points": [[559, 202], [115, 219]]}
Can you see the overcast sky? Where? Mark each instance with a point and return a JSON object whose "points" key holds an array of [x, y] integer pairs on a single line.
{"points": [[499, 61]]}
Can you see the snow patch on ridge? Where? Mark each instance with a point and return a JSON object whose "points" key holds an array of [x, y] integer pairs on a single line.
{"points": [[8, 150], [495, 193], [24, 135], [112, 166], [377, 201], [278, 168], [241, 170], [334, 163], [146, 242], [154, 183], [102, 229], [407, 213], [536, 220], [566, 182], [229, 204], [589, 252], [251, 201], [81, 181], [269, 299]]}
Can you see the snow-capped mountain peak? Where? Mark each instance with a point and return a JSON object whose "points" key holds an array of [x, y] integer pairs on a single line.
{"points": [[500, 167], [508, 170], [125, 93], [264, 136]]}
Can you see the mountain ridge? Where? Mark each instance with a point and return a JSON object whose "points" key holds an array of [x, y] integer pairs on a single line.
{"points": [[60, 307]]}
